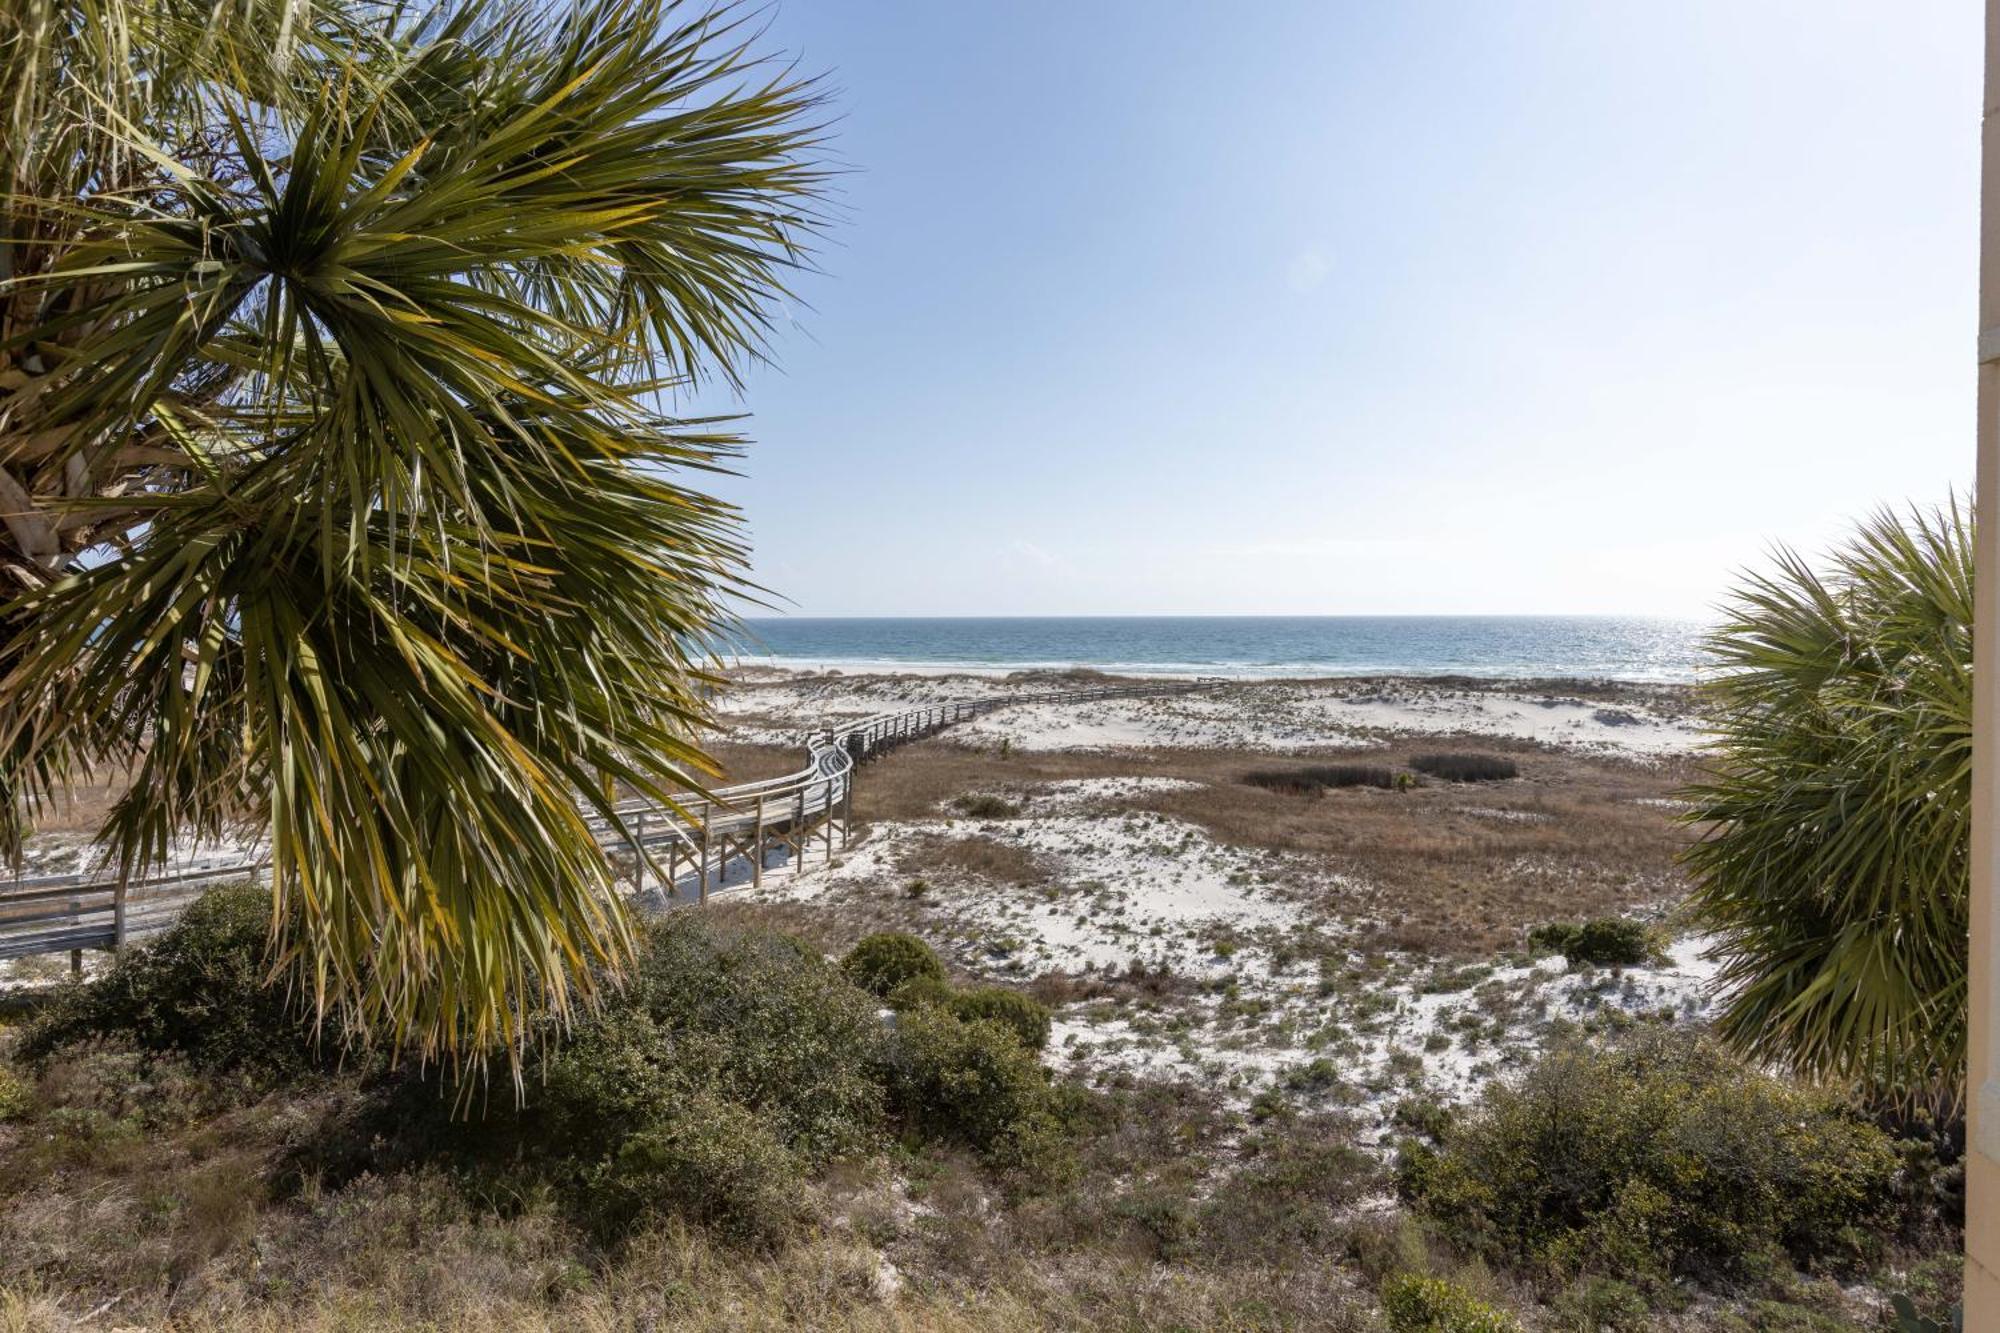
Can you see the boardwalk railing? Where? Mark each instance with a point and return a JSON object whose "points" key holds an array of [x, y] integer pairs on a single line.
{"points": [[703, 832]]}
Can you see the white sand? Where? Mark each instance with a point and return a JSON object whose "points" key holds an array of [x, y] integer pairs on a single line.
{"points": [[1283, 715], [1329, 715]]}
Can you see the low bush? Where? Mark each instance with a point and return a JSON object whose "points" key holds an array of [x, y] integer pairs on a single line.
{"points": [[751, 1018], [1026, 1017], [1418, 1304], [1425, 1115], [202, 990], [707, 1160], [1312, 1078], [985, 805], [726, 1069], [1602, 942], [880, 964], [734, 1061], [1466, 767], [1294, 1193], [1311, 778], [1657, 1158], [919, 991], [972, 1084], [1605, 1304], [16, 1095]]}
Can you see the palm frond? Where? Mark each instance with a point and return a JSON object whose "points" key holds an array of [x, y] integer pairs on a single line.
{"points": [[1835, 868], [391, 547]]}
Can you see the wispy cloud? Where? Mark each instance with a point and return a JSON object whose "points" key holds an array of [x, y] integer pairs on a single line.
{"points": [[1027, 550]]}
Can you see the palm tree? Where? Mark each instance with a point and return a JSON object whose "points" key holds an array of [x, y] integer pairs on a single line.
{"points": [[341, 493], [1835, 869]]}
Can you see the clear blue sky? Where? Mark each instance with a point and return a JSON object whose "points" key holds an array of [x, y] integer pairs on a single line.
{"points": [[1306, 307]]}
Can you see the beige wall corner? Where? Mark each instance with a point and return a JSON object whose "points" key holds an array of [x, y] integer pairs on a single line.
{"points": [[1982, 1221]]}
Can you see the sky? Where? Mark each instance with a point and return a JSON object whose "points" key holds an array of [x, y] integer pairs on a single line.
{"points": [[1341, 308]]}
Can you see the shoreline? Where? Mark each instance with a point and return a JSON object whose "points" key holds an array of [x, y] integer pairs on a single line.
{"points": [[1295, 714], [1235, 673]]}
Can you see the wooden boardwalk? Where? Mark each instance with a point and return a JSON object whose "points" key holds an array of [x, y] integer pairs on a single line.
{"points": [[701, 833]]}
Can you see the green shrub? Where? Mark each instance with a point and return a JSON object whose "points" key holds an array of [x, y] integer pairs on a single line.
{"points": [[753, 1018], [1026, 1017], [1466, 767], [1418, 1304], [1562, 937], [973, 1084], [737, 1060], [880, 963], [1162, 1218], [1601, 942], [103, 1103], [1308, 779], [707, 1160], [16, 1095], [1425, 1115], [203, 990], [920, 991], [1660, 1157], [986, 806], [1603, 1303]]}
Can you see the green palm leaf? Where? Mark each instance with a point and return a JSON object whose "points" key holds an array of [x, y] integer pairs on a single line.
{"points": [[1835, 866], [333, 362]]}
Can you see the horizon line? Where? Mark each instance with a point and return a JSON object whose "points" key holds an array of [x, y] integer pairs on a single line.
{"points": [[1245, 615]]}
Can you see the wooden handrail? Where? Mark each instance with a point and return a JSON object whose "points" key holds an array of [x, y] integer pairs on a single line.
{"points": [[781, 809]]}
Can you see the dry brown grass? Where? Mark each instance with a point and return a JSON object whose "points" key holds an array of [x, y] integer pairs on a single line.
{"points": [[1447, 868], [82, 808], [752, 763], [1442, 868], [832, 933], [1136, 982], [918, 781], [975, 855]]}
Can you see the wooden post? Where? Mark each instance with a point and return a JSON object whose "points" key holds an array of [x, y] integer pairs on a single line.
{"points": [[799, 838], [639, 855], [704, 854], [847, 808], [118, 935], [757, 847]]}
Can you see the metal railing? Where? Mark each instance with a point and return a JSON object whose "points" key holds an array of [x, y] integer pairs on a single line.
{"points": [[700, 831]]}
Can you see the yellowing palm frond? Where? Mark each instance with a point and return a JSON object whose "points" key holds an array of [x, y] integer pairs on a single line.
{"points": [[331, 369]]}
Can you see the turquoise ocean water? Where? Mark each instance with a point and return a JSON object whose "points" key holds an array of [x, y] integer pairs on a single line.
{"points": [[1597, 647]]}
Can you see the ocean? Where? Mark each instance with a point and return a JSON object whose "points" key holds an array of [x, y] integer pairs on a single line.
{"points": [[1595, 647]]}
